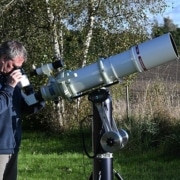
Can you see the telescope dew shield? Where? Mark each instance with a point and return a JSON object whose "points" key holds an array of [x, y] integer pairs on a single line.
{"points": [[154, 52], [104, 72]]}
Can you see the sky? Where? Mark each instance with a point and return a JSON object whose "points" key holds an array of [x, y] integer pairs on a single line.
{"points": [[173, 12]]}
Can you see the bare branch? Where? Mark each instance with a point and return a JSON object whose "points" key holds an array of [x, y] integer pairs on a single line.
{"points": [[7, 6]]}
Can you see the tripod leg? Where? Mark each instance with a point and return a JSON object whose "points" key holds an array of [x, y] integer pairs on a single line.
{"points": [[117, 175], [91, 177]]}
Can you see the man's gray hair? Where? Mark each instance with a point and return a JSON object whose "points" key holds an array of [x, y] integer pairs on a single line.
{"points": [[11, 49]]}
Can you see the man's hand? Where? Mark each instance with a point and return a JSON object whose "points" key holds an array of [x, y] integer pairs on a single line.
{"points": [[14, 78]]}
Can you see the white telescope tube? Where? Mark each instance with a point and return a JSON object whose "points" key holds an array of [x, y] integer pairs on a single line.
{"points": [[139, 58]]}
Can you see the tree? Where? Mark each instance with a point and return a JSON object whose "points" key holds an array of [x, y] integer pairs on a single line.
{"points": [[79, 32], [167, 26]]}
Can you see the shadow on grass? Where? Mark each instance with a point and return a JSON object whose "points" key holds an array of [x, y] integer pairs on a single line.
{"points": [[48, 143]]}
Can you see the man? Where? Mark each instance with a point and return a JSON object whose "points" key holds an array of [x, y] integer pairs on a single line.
{"points": [[12, 56]]}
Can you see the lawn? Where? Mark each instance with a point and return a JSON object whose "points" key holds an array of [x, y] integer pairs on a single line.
{"points": [[61, 157]]}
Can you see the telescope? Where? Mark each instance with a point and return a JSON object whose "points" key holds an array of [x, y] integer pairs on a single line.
{"points": [[105, 72], [92, 79]]}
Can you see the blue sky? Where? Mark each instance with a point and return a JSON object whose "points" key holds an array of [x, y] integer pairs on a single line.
{"points": [[173, 12]]}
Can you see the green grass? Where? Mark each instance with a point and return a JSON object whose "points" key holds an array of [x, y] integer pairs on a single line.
{"points": [[61, 157]]}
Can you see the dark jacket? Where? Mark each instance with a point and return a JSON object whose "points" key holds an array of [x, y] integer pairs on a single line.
{"points": [[12, 105]]}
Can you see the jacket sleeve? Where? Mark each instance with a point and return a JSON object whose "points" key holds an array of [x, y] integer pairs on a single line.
{"points": [[6, 94]]}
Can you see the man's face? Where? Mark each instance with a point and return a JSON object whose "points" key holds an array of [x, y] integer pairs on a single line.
{"points": [[7, 66]]}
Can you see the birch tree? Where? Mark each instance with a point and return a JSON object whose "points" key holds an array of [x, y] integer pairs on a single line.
{"points": [[57, 41]]}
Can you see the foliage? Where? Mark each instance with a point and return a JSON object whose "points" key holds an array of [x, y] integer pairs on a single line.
{"points": [[153, 120], [86, 31], [167, 26]]}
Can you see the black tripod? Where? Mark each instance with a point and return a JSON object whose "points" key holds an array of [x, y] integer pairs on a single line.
{"points": [[106, 137]]}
